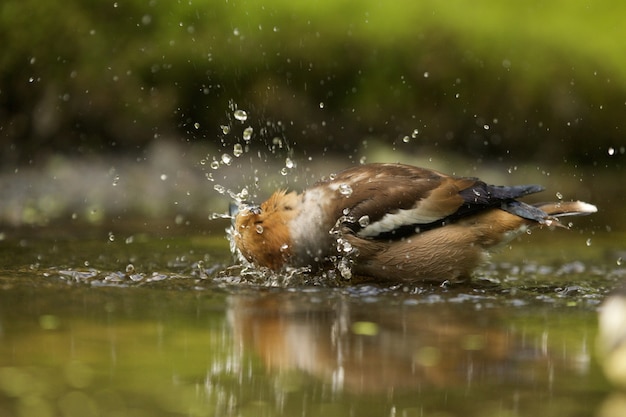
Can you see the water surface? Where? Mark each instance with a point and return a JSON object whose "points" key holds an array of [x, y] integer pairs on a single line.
{"points": [[101, 323]]}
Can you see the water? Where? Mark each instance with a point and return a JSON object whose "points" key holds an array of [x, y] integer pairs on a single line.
{"points": [[154, 327]]}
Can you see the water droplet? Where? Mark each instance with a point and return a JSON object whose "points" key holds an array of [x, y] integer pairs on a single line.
{"points": [[277, 142], [346, 246], [163, 177], [227, 159], [130, 239], [116, 180], [225, 129], [215, 164], [619, 261], [321, 104], [406, 139], [219, 188], [415, 133], [237, 150], [196, 125], [259, 229], [240, 115], [247, 134], [364, 221], [588, 242], [111, 237], [426, 74], [236, 31], [344, 268], [284, 247], [611, 151], [284, 171], [289, 163], [559, 196], [486, 127], [345, 189], [130, 268]]}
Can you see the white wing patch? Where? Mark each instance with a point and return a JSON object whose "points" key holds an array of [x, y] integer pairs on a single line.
{"points": [[392, 221]]}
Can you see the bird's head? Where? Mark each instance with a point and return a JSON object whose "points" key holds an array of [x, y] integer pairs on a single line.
{"points": [[261, 233]]}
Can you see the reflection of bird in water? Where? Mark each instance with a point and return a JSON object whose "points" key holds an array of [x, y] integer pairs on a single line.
{"points": [[358, 348], [391, 222], [612, 337]]}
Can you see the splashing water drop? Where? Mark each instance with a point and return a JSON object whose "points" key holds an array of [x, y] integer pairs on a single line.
{"points": [[196, 125], [559, 196], [343, 246], [259, 229], [225, 129], [619, 261], [588, 242], [284, 171], [219, 188], [345, 189], [247, 133], [111, 237], [240, 115], [344, 268], [227, 159], [415, 133], [163, 177], [237, 150], [406, 139], [130, 268], [364, 221], [116, 180], [277, 142], [611, 151], [215, 164], [289, 163]]}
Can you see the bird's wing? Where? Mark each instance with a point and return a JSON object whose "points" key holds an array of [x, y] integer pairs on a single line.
{"points": [[393, 200]]}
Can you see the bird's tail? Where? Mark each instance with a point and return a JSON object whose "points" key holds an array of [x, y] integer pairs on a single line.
{"points": [[548, 213], [567, 208]]}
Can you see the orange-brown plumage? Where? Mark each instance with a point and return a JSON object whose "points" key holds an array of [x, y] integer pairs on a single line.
{"points": [[391, 222]]}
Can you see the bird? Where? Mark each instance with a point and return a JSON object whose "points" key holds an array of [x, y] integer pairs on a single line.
{"points": [[390, 222]]}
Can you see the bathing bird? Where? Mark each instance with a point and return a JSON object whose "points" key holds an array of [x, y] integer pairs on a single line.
{"points": [[391, 222]]}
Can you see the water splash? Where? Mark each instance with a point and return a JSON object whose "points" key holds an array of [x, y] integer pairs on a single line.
{"points": [[240, 115]]}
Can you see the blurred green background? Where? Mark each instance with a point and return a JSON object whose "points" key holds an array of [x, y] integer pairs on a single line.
{"points": [[539, 79], [489, 82]]}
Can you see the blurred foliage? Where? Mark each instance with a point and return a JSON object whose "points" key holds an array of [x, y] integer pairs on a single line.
{"points": [[534, 79]]}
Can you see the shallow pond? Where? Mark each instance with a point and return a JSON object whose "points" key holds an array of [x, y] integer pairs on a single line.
{"points": [[96, 322]]}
